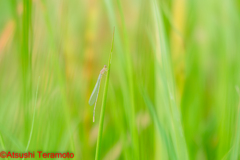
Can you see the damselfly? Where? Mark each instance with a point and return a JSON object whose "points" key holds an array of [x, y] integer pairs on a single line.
{"points": [[94, 95]]}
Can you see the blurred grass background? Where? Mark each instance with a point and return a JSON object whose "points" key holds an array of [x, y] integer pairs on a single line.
{"points": [[173, 89]]}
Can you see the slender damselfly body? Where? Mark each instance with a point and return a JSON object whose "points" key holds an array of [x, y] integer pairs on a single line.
{"points": [[94, 96]]}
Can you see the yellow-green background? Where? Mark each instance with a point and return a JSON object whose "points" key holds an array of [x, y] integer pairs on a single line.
{"points": [[173, 85]]}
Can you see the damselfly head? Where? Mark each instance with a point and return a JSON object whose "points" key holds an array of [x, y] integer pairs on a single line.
{"points": [[104, 69]]}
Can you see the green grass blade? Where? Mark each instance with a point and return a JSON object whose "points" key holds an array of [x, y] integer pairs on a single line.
{"points": [[26, 59], [166, 87], [235, 148], [104, 104], [34, 113], [163, 133]]}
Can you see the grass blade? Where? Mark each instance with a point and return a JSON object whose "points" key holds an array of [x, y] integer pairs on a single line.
{"points": [[34, 113], [104, 104], [161, 130]]}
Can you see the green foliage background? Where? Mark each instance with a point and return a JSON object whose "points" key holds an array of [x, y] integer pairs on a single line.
{"points": [[173, 89]]}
